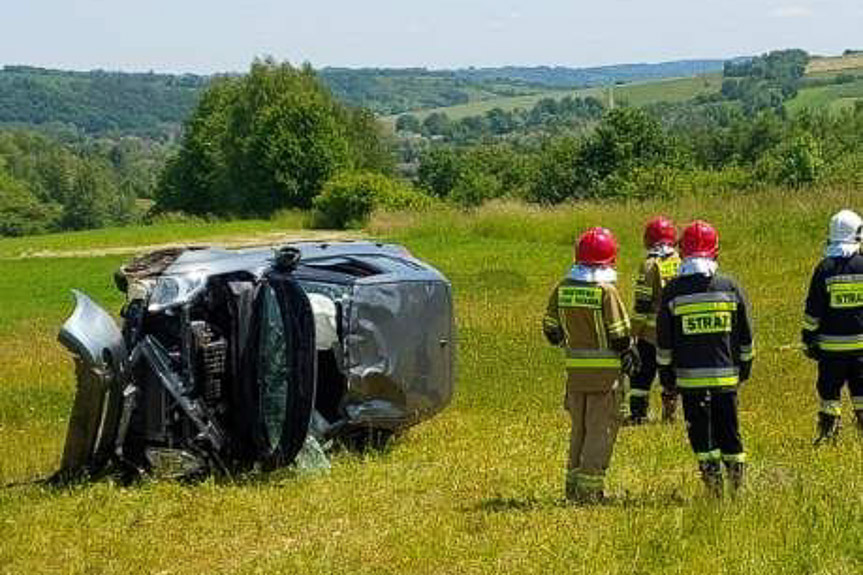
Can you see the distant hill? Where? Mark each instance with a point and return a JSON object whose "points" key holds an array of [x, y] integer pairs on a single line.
{"points": [[560, 77], [97, 102], [155, 105]]}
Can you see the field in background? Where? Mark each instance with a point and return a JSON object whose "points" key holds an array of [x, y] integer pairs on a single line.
{"points": [[833, 97], [478, 489], [635, 94], [832, 65]]}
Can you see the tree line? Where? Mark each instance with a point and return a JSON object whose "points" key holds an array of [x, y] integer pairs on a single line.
{"points": [[47, 185], [548, 115]]}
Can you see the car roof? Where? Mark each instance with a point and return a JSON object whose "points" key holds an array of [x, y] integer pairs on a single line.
{"points": [[365, 261]]}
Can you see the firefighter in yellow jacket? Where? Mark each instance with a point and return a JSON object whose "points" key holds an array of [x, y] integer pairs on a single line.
{"points": [[586, 317], [661, 264]]}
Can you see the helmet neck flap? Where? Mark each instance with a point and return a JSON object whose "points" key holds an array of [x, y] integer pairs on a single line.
{"points": [[593, 274], [698, 266]]}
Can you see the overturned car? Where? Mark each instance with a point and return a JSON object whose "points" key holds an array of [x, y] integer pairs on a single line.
{"points": [[230, 360]]}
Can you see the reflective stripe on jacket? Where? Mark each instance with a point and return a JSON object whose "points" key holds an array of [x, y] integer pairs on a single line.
{"points": [[833, 318], [590, 322], [704, 332], [655, 273]]}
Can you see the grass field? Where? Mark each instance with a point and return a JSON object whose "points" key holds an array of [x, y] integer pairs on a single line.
{"points": [[832, 65], [833, 97], [479, 488], [636, 94]]}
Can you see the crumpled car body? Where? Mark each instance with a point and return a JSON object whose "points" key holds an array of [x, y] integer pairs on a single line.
{"points": [[229, 360]]}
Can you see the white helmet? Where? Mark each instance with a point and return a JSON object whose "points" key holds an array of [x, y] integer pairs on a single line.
{"points": [[845, 228]]}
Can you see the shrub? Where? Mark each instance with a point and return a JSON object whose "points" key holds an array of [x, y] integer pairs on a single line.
{"points": [[439, 171], [795, 163], [556, 178], [350, 198], [474, 187]]}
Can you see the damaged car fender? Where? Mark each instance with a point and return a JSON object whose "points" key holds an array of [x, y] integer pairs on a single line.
{"points": [[97, 345]]}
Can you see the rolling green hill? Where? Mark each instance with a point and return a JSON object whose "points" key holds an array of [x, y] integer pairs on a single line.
{"points": [[636, 94], [99, 103], [833, 97], [846, 89]]}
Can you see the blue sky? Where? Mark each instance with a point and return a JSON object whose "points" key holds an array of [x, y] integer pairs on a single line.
{"points": [[225, 35]]}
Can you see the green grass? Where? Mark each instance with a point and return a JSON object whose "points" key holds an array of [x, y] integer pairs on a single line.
{"points": [[676, 90], [477, 489], [142, 236], [833, 97]]}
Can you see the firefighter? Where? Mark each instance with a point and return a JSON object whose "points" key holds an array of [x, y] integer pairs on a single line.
{"points": [[586, 317], [833, 323], [705, 350], [659, 267]]}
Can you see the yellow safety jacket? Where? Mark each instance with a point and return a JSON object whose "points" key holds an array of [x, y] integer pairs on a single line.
{"points": [[652, 278], [590, 322]]}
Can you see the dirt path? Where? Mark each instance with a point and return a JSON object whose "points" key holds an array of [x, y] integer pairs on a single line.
{"points": [[235, 242]]}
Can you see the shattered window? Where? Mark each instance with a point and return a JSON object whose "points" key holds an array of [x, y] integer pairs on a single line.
{"points": [[273, 370], [333, 291]]}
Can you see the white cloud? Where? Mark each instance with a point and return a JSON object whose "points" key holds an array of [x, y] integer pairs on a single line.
{"points": [[793, 11]]}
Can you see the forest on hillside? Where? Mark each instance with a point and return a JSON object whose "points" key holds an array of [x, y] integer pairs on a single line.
{"points": [[100, 103]]}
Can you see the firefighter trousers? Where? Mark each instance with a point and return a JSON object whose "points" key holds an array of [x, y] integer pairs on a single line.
{"points": [[833, 374], [595, 421], [640, 382], [643, 379], [713, 426]]}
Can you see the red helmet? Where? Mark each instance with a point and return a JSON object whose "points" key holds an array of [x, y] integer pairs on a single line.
{"points": [[659, 231], [699, 240], [596, 247]]}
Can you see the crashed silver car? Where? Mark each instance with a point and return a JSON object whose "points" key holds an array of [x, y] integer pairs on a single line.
{"points": [[231, 360]]}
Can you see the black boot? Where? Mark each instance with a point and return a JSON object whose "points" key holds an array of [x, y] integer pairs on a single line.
{"points": [[638, 406], [711, 476], [828, 428], [669, 407], [736, 475]]}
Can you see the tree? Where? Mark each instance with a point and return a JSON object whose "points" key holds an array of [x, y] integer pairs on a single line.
{"points": [[436, 124], [408, 123], [796, 162], [556, 178], [626, 138], [439, 171], [76, 189], [20, 212], [267, 141]]}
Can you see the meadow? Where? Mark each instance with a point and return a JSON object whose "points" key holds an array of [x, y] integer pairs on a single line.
{"points": [[834, 97], [635, 94], [479, 488]]}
